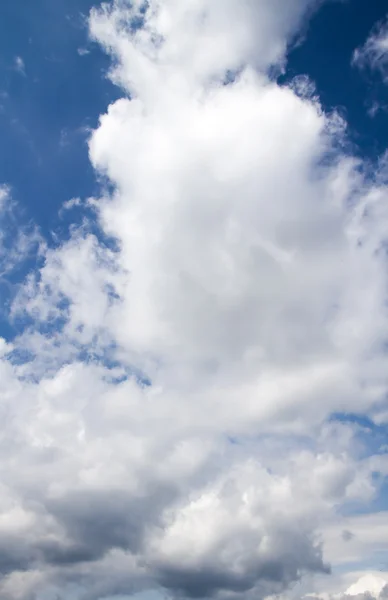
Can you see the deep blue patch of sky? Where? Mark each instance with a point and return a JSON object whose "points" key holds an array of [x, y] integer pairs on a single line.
{"points": [[48, 103], [325, 55]]}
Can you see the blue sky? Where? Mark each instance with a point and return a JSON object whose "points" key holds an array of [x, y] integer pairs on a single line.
{"points": [[49, 104], [233, 253], [326, 54]]}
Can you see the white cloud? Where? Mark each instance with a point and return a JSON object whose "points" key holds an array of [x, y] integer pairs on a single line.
{"points": [[368, 583], [19, 240], [374, 53], [367, 587], [19, 65], [246, 282], [83, 51], [367, 542]]}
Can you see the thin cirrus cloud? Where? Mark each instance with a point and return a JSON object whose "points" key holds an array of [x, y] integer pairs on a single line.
{"points": [[374, 53], [168, 402], [19, 65]]}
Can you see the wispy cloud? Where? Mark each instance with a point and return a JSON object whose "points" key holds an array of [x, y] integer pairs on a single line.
{"points": [[374, 53], [19, 65], [83, 51]]}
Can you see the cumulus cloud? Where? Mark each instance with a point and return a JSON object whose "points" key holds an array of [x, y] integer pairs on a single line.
{"points": [[367, 587], [168, 402]]}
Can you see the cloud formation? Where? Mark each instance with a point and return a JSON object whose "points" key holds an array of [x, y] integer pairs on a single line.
{"points": [[366, 587], [374, 53], [168, 402]]}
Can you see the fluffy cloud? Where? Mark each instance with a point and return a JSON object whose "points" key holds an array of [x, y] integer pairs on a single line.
{"points": [[367, 587], [168, 404]]}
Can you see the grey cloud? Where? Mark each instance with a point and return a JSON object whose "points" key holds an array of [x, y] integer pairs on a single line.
{"points": [[88, 526], [290, 556], [97, 522], [347, 535], [15, 555]]}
